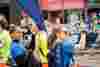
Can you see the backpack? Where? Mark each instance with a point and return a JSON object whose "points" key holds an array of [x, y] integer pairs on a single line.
{"points": [[91, 39]]}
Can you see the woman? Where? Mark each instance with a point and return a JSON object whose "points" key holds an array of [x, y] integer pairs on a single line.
{"points": [[63, 49], [5, 44]]}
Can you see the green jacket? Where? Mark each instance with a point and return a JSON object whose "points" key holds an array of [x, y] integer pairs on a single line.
{"points": [[5, 49]]}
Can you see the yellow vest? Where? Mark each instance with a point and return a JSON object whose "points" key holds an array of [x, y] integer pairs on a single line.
{"points": [[42, 46]]}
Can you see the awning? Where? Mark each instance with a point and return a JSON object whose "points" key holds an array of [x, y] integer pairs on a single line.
{"points": [[61, 4], [71, 4]]}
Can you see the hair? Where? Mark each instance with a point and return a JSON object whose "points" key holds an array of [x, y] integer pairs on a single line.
{"points": [[82, 32], [11, 28], [3, 24], [67, 33], [52, 38]]}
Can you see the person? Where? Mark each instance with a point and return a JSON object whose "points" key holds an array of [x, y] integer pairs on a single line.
{"points": [[27, 21], [58, 50], [12, 27], [29, 41], [31, 61], [68, 49], [5, 44], [91, 39], [51, 55], [41, 48], [18, 51], [83, 40], [53, 21], [55, 50], [27, 37], [64, 49]]}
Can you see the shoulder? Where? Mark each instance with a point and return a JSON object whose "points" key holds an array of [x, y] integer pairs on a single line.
{"points": [[6, 33]]}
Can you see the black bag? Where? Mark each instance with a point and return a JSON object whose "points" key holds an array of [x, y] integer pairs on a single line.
{"points": [[91, 38]]}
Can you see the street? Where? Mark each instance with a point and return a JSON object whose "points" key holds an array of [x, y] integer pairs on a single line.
{"points": [[88, 58]]}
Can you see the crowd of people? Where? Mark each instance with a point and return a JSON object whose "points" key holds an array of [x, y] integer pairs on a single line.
{"points": [[23, 45]]}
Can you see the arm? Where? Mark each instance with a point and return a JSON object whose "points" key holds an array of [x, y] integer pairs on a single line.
{"points": [[7, 46]]}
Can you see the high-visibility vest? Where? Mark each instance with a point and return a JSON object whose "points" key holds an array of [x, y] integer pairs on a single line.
{"points": [[42, 46], [6, 45]]}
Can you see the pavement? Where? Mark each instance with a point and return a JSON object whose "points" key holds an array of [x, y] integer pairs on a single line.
{"points": [[90, 57]]}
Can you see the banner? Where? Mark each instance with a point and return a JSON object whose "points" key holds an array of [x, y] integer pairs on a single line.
{"points": [[32, 8]]}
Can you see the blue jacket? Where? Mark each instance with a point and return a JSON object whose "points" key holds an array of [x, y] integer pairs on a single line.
{"points": [[68, 51], [17, 49], [64, 52], [58, 55]]}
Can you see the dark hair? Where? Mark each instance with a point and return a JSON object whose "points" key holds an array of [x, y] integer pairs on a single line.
{"points": [[52, 39], [83, 32], [3, 24]]}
